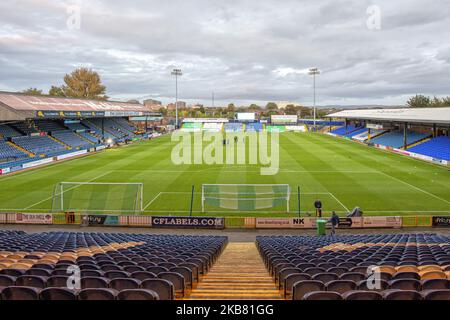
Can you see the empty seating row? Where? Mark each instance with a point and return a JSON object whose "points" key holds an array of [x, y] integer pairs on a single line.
{"points": [[49, 125], [395, 139], [39, 144], [400, 261], [31, 293], [26, 128], [438, 148], [9, 152], [107, 261], [372, 295], [70, 138], [342, 131], [7, 131]]}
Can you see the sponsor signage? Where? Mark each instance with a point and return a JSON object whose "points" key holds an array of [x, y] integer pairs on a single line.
{"points": [[245, 116], [34, 218], [303, 223], [296, 128], [382, 222], [275, 128], [205, 120], [103, 220], [70, 155], [100, 148], [188, 222], [5, 171], [285, 223], [346, 223], [284, 119], [273, 223], [69, 114], [37, 163], [441, 222]]}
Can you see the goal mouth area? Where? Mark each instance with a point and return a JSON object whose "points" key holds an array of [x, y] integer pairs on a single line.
{"points": [[89, 197], [245, 196]]}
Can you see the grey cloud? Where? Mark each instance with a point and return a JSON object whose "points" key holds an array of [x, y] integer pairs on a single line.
{"points": [[232, 47]]}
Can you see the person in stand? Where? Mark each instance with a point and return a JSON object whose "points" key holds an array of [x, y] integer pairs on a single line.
{"points": [[318, 206], [334, 220]]}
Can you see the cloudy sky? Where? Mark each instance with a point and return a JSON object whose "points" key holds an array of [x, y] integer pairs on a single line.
{"points": [[369, 52]]}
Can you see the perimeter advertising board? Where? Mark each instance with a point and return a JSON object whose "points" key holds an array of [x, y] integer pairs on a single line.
{"points": [[34, 218], [441, 222], [284, 119], [189, 222], [382, 222], [100, 220]]}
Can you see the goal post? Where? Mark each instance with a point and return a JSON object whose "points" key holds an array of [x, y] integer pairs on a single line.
{"points": [[245, 197], [86, 197]]}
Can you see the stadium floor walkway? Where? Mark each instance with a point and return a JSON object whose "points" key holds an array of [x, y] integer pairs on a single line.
{"points": [[238, 274]]}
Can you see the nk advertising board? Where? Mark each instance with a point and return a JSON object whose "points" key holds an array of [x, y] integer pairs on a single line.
{"points": [[188, 222], [344, 223]]}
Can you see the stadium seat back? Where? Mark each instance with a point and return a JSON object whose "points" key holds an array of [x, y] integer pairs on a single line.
{"points": [[162, 287], [137, 294]]}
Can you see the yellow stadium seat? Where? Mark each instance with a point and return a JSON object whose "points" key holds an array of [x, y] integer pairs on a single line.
{"points": [[388, 269], [433, 275], [429, 268], [24, 266], [407, 269]]}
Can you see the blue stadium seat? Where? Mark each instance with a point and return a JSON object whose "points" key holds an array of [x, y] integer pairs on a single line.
{"points": [[438, 148]]}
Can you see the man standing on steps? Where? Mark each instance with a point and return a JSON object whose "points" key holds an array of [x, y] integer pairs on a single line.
{"points": [[334, 220]]}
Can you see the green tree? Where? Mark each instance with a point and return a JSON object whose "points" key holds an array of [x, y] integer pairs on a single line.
{"points": [[56, 91], [231, 108], [419, 101], [33, 91], [291, 109], [271, 106], [82, 83]]}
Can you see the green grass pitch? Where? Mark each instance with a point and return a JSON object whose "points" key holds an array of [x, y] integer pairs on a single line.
{"points": [[341, 173]]}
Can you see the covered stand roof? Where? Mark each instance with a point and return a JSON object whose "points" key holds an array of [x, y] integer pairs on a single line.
{"points": [[415, 115], [16, 106]]}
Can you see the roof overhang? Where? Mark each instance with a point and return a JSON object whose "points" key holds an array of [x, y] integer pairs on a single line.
{"points": [[411, 115]]}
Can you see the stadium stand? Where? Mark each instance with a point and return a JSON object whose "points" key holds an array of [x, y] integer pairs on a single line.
{"points": [[75, 126], [25, 127], [255, 126], [395, 138], [48, 125], [233, 127], [71, 139], [39, 145], [343, 131], [8, 152], [411, 266], [8, 132], [356, 132], [438, 148], [113, 265], [365, 135]]}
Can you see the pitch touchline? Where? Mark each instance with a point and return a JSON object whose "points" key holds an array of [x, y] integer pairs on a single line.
{"points": [[414, 187]]}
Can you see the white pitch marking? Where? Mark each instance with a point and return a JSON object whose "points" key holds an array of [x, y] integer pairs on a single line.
{"points": [[151, 201], [98, 177], [414, 187]]}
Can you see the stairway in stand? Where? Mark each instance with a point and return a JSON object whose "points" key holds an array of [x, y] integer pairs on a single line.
{"points": [[238, 274]]}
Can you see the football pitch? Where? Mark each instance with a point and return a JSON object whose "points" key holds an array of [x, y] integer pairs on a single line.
{"points": [[341, 173]]}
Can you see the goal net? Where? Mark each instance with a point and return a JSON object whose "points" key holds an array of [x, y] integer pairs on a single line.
{"points": [[86, 197], [245, 197]]}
